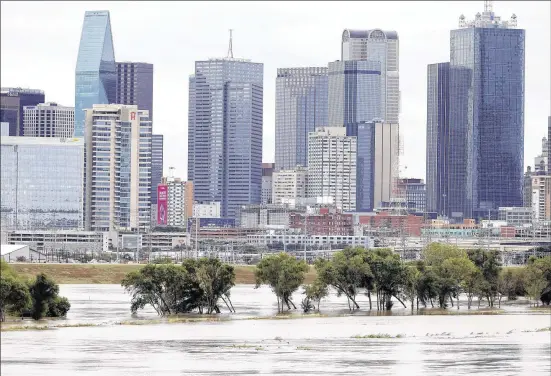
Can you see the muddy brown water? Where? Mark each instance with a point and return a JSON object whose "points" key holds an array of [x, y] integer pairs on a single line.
{"points": [[505, 344]]}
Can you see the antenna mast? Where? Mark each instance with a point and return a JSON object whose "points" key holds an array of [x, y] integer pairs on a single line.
{"points": [[230, 47]]}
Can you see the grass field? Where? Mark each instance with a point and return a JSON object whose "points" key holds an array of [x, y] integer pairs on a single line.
{"points": [[111, 273]]}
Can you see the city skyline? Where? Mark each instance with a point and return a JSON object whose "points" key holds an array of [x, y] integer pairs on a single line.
{"points": [[279, 48]]}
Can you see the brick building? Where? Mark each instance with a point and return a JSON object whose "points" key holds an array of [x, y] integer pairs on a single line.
{"points": [[327, 221]]}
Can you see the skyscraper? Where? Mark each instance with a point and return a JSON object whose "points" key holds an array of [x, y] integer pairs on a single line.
{"points": [[49, 120], [332, 166], [382, 46], [225, 133], [135, 85], [118, 168], [12, 103], [438, 136], [301, 106], [267, 172], [156, 164], [96, 73], [486, 116]]}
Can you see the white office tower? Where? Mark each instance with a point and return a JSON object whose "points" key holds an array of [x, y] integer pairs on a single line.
{"points": [[176, 201], [332, 166], [48, 120], [117, 168], [382, 46], [289, 184]]}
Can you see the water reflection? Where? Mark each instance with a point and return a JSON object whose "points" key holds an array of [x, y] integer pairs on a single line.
{"points": [[432, 345]]}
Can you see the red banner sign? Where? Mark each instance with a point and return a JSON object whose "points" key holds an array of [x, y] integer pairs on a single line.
{"points": [[162, 204]]}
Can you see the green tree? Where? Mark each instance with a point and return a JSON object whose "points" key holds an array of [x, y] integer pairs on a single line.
{"points": [[14, 295], [314, 293], [436, 253], [537, 276], [458, 270], [413, 275], [284, 274], [427, 288], [43, 291], [490, 266], [58, 307], [389, 276]]}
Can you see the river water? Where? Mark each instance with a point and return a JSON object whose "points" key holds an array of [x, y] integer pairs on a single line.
{"points": [[505, 344]]}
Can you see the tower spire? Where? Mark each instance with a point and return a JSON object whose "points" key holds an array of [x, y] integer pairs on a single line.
{"points": [[230, 47]]}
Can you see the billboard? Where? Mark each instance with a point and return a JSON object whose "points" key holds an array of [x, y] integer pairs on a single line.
{"points": [[162, 197]]}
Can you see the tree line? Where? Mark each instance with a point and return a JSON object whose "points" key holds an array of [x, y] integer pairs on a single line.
{"points": [[37, 298], [445, 273]]}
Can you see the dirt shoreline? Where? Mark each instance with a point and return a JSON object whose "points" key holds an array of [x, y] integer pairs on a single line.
{"points": [[112, 273]]}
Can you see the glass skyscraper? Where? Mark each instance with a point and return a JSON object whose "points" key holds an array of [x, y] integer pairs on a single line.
{"points": [[486, 141], [301, 106], [135, 85], [96, 72], [12, 103], [438, 136], [225, 133], [41, 183]]}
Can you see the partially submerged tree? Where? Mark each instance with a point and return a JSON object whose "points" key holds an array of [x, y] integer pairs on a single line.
{"points": [[14, 295], [314, 293], [284, 274]]}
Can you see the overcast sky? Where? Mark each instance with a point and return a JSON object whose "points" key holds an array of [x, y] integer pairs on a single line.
{"points": [[39, 47]]}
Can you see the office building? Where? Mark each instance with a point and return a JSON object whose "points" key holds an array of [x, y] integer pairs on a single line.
{"points": [[156, 164], [415, 193], [267, 171], [225, 133], [176, 201], [541, 198], [41, 183], [385, 167], [96, 72], [354, 94], [118, 168], [49, 120], [382, 46], [516, 216], [438, 133], [207, 210], [135, 85], [12, 102], [301, 106], [332, 166], [486, 138], [289, 184]]}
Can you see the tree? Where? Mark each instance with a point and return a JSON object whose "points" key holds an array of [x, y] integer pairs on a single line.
{"points": [[537, 276], [284, 274], [14, 295], [436, 253], [427, 289], [389, 276], [458, 270], [346, 272], [58, 307], [413, 275], [490, 266], [314, 293], [43, 292]]}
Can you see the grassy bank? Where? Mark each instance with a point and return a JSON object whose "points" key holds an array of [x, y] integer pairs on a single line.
{"points": [[111, 273]]}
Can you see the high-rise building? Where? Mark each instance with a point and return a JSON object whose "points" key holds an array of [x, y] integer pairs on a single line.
{"points": [[415, 193], [135, 85], [486, 138], [289, 184], [382, 46], [41, 183], [385, 152], [354, 94], [438, 136], [301, 106], [332, 166], [117, 168], [49, 120], [12, 102], [267, 172], [225, 133], [541, 197], [96, 72], [176, 202], [156, 164]]}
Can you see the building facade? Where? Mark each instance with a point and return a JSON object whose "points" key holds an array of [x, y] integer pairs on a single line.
{"points": [[157, 143], [207, 210], [41, 183], [327, 221], [516, 216], [332, 166], [541, 198], [225, 133], [289, 184], [438, 136], [385, 171], [176, 202], [382, 46], [301, 106], [96, 72], [415, 193], [12, 102], [486, 159], [49, 120], [135, 85], [267, 172], [117, 168]]}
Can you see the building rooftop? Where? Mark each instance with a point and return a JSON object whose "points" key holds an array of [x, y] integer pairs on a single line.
{"points": [[16, 140]]}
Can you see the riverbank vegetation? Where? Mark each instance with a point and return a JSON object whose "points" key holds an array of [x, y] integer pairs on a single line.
{"points": [[36, 298]]}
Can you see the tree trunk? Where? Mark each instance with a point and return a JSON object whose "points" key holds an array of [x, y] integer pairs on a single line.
{"points": [[369, 297], [293, 304], [451, 299], [431, 303], [397, 298]]}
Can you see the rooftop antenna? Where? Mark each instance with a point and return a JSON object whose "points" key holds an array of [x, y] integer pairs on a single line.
{"points": [[488, 6], [230, 47], [171, 171]]}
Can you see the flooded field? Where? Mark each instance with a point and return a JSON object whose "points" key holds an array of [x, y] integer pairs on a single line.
{"points": [[505, 344]]}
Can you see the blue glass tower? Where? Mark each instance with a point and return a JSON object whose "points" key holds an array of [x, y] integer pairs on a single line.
{"points": [[486, 138], [96, 71], [225, 133]]}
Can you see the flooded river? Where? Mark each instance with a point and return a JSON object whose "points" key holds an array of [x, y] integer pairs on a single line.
{"points": [[506, 344]]}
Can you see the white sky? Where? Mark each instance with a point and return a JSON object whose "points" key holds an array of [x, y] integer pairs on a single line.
{"points": [[39, 46]]}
